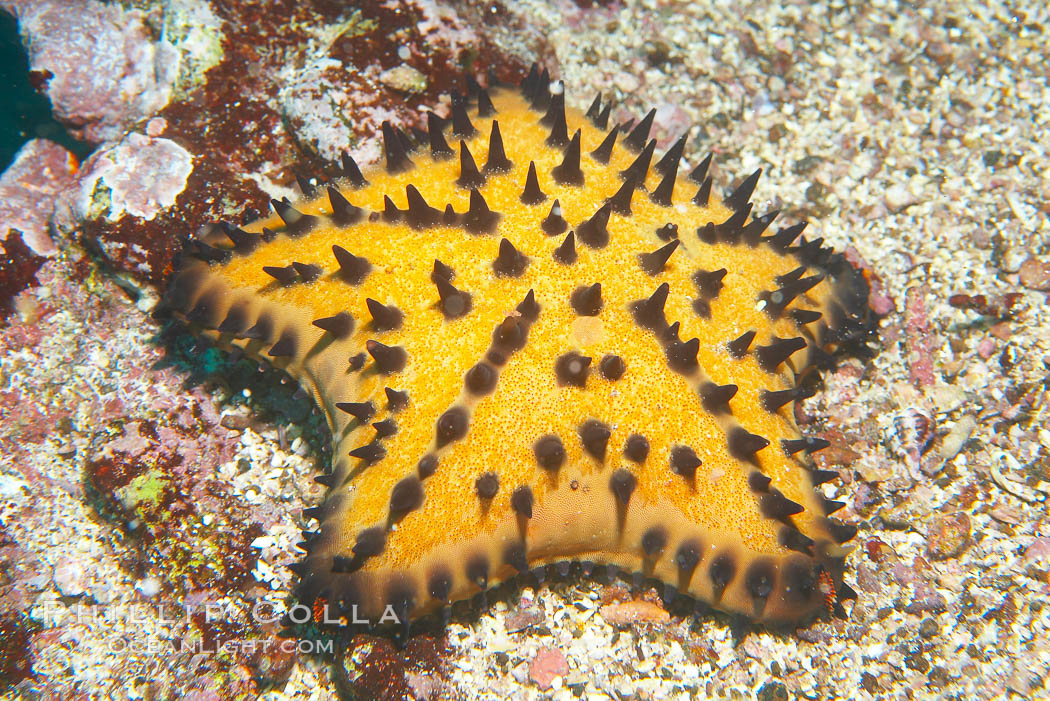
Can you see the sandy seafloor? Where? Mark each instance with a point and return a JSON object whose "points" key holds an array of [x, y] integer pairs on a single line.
{"points": [[913, 134]]}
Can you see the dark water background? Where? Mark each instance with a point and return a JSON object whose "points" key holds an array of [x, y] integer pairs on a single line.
{"points": [[24, 113]]}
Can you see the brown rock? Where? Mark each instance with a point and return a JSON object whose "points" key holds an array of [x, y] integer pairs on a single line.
{"points": [[948, 536], [900, 517], [523, 618], [424, 685], [966, 498], [940, 52], [838, 454], [235, 422], [878, 551], [1003, 331], [273, 662], [1007, 513], [18, 267], [630, 613]]}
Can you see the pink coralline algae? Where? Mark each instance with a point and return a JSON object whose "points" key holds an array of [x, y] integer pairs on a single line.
{"points": [[40, 171], [919, 337], [139, 176], [130, 75], [28, 190]]}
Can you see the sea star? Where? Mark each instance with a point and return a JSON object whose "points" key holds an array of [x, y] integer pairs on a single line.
{"points": [[535, 347]]}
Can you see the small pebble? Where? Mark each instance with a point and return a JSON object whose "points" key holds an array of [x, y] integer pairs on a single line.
{"points": [[952, 443], [1013, 258], [149, 587], [523, 618], [631, 612], [940, 52], [929, 628], [899, 197], [70, 578], [772, 691], [234, 422], [986, 348], [925, 600], [626, 82], [404, 79], [948, 536], [1035, 274], [548, 665]]}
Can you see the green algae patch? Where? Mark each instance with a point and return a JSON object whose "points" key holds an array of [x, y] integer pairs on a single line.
{"points": [[144, 491]]}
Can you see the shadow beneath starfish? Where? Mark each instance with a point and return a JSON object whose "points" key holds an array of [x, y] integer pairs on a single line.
{"points": [[273, 397], [383, 663]]}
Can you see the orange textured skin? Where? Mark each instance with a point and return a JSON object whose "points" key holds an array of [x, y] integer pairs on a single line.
{"points": [[576, 515]]}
